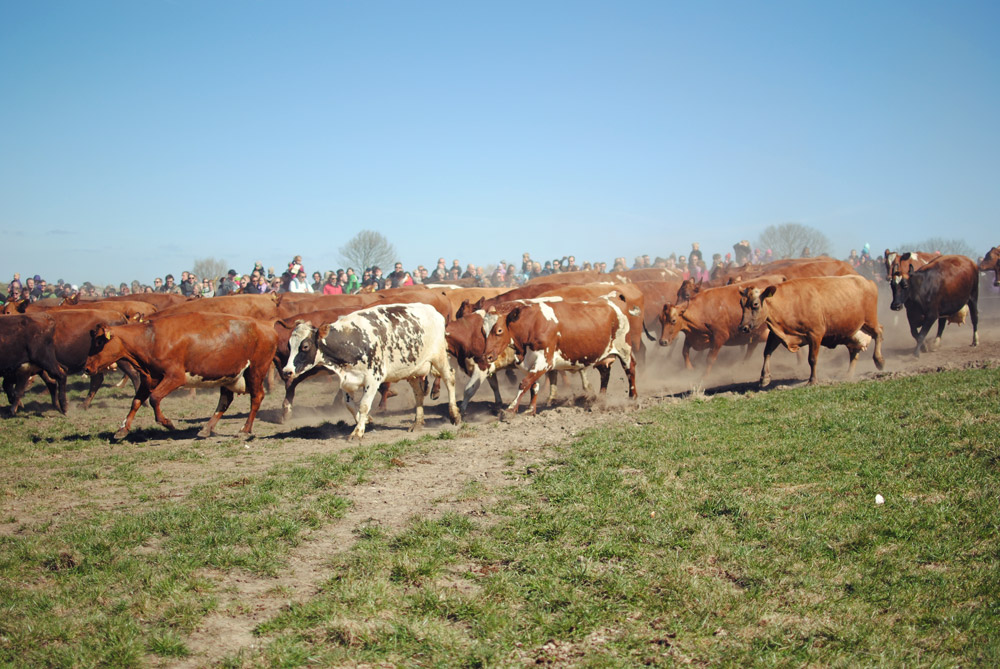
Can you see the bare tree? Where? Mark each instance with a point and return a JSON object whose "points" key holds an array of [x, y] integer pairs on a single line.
{"points": [[789, 240], [945, 246], [209, 268], [366, 249]]}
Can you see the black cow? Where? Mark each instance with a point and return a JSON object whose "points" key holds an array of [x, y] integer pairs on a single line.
{"points": [[940, 289]]}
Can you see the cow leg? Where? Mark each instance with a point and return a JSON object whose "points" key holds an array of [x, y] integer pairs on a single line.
{"points": [[166, 386], [141, 395], [974, 314], [527, 384], [630, 374], [937, 340], [853, 352], [553, 379], [436, 388], [605, 373], [290, 386], [95, 383], [443, 371], [815, 344], [921, 336], [364, 407], [713, 354], [878, 333], [586, 384], [225, 399], [417, 383], [687, 353], [765, 372]]}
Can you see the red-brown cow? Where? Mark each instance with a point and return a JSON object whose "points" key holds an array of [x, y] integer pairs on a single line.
{"points": [[198, 349], [940, 289], [27, 347], [818, 311], [711, 320], [557, 336], [991, 263]]}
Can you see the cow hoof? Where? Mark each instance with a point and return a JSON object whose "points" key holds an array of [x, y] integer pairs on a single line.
{"points": [[764, 383], [119, 435], [204, 434], [419, 425]]}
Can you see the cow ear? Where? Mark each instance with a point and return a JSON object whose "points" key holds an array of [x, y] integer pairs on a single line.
{"points": [[905, 256], [514, 314], [768, 292], [462, 309], [324, 330]]}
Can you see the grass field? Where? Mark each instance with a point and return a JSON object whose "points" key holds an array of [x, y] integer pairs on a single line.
{"points": [[734, 530]]}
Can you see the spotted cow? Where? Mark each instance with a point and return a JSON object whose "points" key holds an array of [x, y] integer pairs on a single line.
{"points": [[383, 343]]}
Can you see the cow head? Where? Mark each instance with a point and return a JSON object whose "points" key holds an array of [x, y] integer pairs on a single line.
{"points": [[753, 302], [992, 262], [900, 285], [105, 349], [303, 350], [499, 337], [15, 306], [689, 288], [670, 323]]}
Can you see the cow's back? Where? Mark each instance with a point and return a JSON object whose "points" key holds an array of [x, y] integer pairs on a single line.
{"points": [[836, 305]]}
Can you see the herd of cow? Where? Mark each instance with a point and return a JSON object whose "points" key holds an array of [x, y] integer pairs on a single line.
{"points": [[556, 323]]}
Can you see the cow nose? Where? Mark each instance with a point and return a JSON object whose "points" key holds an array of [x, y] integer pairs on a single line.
{"points": [[664, 342]]}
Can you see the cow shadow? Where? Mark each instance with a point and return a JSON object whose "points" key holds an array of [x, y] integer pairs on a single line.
{"points": [[741, 388]]}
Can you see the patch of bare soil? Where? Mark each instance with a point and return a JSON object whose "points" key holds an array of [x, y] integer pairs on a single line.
{"points": [[489, 453]]}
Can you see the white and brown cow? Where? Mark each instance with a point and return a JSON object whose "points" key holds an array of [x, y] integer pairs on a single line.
{"points": [[826, 311], [559, 335], [384, 343]]}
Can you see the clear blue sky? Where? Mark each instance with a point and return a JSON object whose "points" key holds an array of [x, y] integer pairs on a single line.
{"points": [[138, 136]]}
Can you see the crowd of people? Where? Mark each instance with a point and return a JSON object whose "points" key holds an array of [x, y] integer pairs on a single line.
{"points": [[295, 279]]}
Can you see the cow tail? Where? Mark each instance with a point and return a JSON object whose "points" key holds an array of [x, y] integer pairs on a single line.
{"points": [[648, 336]]}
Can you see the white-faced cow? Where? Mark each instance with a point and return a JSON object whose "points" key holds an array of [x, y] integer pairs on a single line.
{"points": [[815, 311], [559, 336], [384, 343], [940, 289]]}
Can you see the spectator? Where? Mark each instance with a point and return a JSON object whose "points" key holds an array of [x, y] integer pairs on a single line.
{"points": [[44, 290], [695, 255], [299, 283], [806, 253], [331, 287], [353, 283], [169, 286], [317, 282], [440, 272], [294, 266], [227, 284], [188, 285], [30, 287], [470, 271], [526, 263], [378, 280], [397, 276], [123, 289], [742, 252], [206, 288]]}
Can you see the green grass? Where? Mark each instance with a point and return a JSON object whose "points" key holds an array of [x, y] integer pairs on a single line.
{"points": [[731, 530], [737, 530]]}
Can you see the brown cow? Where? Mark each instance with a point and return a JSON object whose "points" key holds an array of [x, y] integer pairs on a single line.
{"points": [[27, 347], [711, 320], [991, 263], [196, 349], [551, 336], [940, 289], [578, 276], [818, 311]]}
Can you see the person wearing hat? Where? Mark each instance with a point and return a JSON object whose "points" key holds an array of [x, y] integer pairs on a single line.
{"points": [[227, 284]]}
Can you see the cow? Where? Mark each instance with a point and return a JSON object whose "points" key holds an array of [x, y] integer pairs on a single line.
{"points": [[818, 311], [205, 350], [940, 289], [711, 320], [991, 263], [554, 336], [900, 263], [383, 343], [26, 348]]}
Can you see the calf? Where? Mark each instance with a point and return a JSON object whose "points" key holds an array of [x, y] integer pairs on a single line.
{"points": [[383, 343], [27, 346], [232, 353], [941, 289], [553, 336], [818, 311]]}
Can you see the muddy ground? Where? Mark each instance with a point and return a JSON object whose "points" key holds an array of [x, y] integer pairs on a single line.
{"points": [[425, 485]]}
